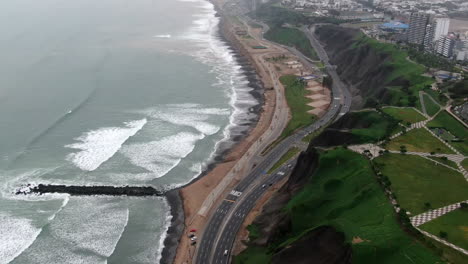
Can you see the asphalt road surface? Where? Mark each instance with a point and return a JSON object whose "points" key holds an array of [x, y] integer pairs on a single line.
{"points": [[218, 237]]}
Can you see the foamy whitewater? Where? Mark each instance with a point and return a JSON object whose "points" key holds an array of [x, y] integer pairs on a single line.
{"points": [[141, 93]]}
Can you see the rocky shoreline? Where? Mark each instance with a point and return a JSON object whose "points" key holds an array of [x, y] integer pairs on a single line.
{"points": [[176, 228]]}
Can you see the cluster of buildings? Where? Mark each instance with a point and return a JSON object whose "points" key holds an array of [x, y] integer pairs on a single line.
{"points": [[432, 32], [424, 22]]}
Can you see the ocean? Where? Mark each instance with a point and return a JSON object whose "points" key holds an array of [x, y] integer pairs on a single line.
{"points": [[109, 92]]}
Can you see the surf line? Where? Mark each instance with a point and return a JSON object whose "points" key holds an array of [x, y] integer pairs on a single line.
{"points": [[89, 190]]}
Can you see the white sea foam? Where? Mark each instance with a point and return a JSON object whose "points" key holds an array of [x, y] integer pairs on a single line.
{"points": [[163, 155], [162, 36], [213, 51], [167, 224], [16, 235], [91, 223], [97, 146]]}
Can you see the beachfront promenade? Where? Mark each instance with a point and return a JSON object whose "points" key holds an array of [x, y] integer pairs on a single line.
{"points": [[221, 230]]}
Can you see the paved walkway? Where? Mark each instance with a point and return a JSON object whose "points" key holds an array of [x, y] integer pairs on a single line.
{"points": [[462, 250], [420, 219], [423, 218], [421, 99]]}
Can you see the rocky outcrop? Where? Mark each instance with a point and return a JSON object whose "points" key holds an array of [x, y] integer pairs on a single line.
{"points": [[361, 67]]}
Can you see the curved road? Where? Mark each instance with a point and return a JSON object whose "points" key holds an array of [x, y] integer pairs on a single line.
{"points": [[219, 235]]}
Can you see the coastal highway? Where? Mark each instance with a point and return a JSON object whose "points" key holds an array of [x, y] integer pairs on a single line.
{"points": [[223, 226]]}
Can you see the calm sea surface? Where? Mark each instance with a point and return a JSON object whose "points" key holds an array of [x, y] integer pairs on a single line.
{"points": [[108, 92]]}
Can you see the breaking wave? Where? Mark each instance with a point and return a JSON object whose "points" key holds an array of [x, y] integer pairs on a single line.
{"points": [[97, 146]]}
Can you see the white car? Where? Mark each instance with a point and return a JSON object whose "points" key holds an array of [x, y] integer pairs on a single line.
{"points": [[226, 252], [193, 238], [280, 173], [264, 185]]}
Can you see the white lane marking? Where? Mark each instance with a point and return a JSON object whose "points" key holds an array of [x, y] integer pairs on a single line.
{"points": [[236, 193]]}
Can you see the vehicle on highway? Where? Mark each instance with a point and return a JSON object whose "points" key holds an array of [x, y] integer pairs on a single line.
{"points": [[193, 238], [289, 166], [264, 185], [280, 173], [226, 252]]}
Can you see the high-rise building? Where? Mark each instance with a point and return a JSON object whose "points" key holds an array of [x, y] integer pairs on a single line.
{"points": [[417, 28], [428, 38], [441, 27], [445, 45]]}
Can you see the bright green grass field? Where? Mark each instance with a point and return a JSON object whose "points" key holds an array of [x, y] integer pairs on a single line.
{"points": [[419, 140], [445, 161], [455, 224], [416, 181], [446, 121], [297, 102], [431, 107], [288, 155], [404, 114], [344, 193]]}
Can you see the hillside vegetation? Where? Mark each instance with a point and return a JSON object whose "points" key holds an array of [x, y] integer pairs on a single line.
{"points": [[384, 75], [344, 194]]}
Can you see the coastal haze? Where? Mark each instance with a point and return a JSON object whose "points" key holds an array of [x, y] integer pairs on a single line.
{"points": [[108, 92]]}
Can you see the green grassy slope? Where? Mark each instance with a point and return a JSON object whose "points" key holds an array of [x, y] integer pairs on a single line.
{"points": [[404, 114], [297, 102], [431, 107], [292, 37], [344, 193], [407, 74]]}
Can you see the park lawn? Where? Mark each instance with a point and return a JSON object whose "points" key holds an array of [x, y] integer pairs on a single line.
{"points": [[406, 114], [464, 164], [445, 120], [416, 181], [431, 107], [455, 224], [297, 101], [419, 140], [287, 156], [444, 161], [462, 147]]}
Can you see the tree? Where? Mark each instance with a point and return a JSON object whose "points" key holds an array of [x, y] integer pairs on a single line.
{"points": [[443, 234]]}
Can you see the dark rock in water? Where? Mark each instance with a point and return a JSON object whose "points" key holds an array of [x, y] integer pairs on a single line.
{"points": [[323, 245], [95, 190]]}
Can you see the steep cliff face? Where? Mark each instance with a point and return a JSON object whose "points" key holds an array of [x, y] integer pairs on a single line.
{"points": [[362, 67], [323, 245], [273, 221]]}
